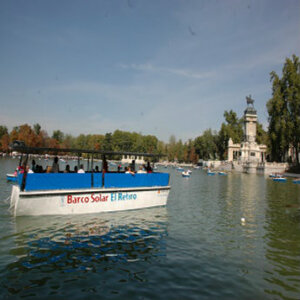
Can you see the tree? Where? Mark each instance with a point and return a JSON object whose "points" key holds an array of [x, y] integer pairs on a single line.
{"points": [[261, 134], [58, 135], [206, 145], [284, 111], [37, 128], [27, 135], [4, 142], [107, 142], [233, 128], [3, 132], [171, 148]]}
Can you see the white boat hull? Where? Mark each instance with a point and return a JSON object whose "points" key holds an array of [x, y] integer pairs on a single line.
{"points": [[84, 201]]}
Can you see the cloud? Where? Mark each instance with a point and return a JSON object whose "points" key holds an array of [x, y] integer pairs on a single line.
{"points": [[180, 72]]}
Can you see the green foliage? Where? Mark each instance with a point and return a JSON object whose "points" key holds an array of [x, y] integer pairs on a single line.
{"points": [[58, 135], [3, 130], [233, 128], [37, 128], [206, 145], [284, 111], [261, 134], [4, 139]]}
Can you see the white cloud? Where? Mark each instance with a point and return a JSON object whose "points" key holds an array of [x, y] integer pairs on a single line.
{"points": [[180, 72]]}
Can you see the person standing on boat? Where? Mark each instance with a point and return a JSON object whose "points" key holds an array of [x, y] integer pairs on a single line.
{"points": [[132, 166], [148, 167], [55, 166], [33, 166], [104, 165]]}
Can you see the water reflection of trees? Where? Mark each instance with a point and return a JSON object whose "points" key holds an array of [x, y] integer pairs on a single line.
{"points": [[283, 240], [53, 252]]}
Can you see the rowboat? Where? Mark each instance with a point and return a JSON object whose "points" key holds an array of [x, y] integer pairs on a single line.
{"points": [[186, 174], [210, 173], [89, 192], [279, 179], [11, 177], [222, 173]]}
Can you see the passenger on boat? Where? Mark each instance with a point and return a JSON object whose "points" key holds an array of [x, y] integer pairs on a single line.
{"points": [[97, 169], [33, 166], [119, 168], [141, 170], [104, 165], [81, 170], [55, 166], [148, 167], [75, 169], [132, 166], [21, 168], [129, 171], [67, 170], [28, 170], [39, 169]]}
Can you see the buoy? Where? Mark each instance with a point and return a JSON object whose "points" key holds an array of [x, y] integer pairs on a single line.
{"points": [[243, 220]]}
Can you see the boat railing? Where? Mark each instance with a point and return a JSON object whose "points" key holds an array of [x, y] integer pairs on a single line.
{"points": [[63, 181]]}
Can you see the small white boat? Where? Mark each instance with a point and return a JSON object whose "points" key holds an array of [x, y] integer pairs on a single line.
{"points": [[279, 179], [273, 175], [210, 173], [186, 174], [222, 173], [11, 177]]}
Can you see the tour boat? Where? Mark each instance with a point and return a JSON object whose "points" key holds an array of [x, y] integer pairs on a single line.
{"points": [[90, 192]]}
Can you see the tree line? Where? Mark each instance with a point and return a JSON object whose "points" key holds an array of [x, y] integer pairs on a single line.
{"points": [[210, 145], [282, 135]]}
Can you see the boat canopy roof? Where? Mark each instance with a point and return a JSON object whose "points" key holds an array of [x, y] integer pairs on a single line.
{"points": [[21, 147]]}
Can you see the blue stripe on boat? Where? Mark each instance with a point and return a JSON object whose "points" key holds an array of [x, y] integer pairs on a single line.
{"points": [[62, 181], [137, 180]]}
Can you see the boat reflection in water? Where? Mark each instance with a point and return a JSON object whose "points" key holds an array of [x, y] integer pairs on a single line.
{"points": [[56, 251]]}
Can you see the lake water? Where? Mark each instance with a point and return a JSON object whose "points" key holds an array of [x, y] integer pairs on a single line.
{"points": [[196, 247]]}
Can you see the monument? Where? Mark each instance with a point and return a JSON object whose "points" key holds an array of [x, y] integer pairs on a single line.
{"points": [[249, 153]]}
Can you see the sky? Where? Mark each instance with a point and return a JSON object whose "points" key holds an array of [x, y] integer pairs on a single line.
{"points": [[159, 67]]}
